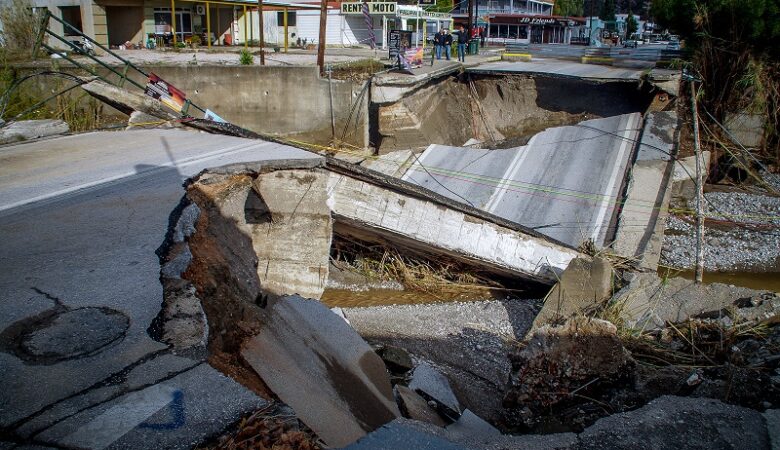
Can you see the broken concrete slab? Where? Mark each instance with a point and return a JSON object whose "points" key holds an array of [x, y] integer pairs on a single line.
{"points": [[558, 361], [471, 426], [323, 369], [585, 284], [557, 165], [433, 386], [401, 435], [257, 222], [640, 227], [415, 407], [649, 302], [677, 423], [25, 130], [177, 413]]}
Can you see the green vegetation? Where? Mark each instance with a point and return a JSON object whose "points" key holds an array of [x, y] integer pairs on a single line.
{"points": [[735, 49], [246, 58], [568, 8], [21, 27], [607, 12]]}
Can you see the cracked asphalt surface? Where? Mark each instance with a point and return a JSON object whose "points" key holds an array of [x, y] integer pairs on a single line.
{"points": [[80, 218]]}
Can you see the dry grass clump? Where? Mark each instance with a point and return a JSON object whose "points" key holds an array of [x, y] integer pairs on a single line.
{"points": [[380, 262], [268, 429], [21, 27]]}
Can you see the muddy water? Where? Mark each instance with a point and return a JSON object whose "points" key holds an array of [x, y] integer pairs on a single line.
{"points": [[758, 281], [379, 297]]}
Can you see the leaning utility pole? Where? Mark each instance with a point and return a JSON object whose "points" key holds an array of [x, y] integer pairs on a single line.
{"points": [[321, 45], [699, 188]]}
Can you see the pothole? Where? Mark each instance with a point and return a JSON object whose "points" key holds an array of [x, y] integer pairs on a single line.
{"points": [[60, 334]]}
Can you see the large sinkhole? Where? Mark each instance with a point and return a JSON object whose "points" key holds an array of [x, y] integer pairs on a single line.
{"points": [[500, 110]]}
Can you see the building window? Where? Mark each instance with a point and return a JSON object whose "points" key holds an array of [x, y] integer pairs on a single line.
{"points": [[71, 15], [290, 18], [163, 22]]}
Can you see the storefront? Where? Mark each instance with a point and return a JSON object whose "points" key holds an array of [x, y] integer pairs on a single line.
{"points": [[531, 29]]}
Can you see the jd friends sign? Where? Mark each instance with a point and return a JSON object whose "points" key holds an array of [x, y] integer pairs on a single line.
{"points": [[373, 8]]}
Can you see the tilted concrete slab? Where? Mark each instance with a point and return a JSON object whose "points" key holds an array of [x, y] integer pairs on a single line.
{"points": [[643, 214], [565, 183], [425, 221], [316, 363]]}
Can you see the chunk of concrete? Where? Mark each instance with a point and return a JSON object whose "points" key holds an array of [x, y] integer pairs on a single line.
{"points": [[24, 130], [323, 369], [559, 361], [470, 426], [583, 285], [747, 129], [679, 423], [397, 359], [415, 407], [649, 302], [433, 386]]}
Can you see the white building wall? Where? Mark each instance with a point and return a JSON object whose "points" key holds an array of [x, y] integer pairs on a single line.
{"points": [[341, 30]]}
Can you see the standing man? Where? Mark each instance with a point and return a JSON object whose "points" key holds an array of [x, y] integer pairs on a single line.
{"points": [[447, 43], [438, 41], [463, 39]]}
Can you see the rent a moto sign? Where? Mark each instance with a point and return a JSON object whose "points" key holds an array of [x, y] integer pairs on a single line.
{"points": [[373, 8]]}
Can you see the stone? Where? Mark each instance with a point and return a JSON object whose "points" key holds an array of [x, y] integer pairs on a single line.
{"points": [[679, 423], [316, 363], [396, 359], [433, 386], [582, 286], [561, 360], [415, 407], [25, 130], [471, 426]]}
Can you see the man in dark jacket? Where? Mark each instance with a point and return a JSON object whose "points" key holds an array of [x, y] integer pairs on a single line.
{"points": [[447, 43], [463, 39], [438, 42]]}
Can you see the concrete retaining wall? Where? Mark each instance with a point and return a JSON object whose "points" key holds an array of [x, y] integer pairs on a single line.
{"points": [[288, 101]]}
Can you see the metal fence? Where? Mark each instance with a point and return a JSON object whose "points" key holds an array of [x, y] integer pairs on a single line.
{"points": [[651, 53]]}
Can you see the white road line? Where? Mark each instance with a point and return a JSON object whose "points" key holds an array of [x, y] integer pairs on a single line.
{"points": [[607, 198], [507, 178], [180, 163], [118, 420]]}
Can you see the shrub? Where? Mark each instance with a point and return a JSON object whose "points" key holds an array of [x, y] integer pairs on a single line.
{"points": [[246, 58], [21, 27]]}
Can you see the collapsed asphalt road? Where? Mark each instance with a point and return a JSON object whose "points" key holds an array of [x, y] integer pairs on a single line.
{"points": [[80, 219]]}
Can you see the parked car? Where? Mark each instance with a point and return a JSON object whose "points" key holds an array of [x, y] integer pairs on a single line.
{"points": [[630, 43]]}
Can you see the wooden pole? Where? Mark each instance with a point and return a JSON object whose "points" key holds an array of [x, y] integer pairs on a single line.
{"points": [[262, 33], [173, 21], [251, 24], [699, 189], [208, 24], [286, 33], [321, 46]]}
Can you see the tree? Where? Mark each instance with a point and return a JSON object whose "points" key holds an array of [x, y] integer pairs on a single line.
{"points": [[631, 25], [607, 13], [569, 8]]}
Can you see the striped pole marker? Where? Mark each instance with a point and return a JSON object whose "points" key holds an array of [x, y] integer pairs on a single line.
{"points": [[369, 25]]}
